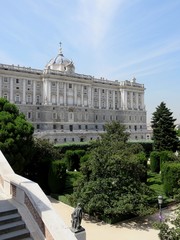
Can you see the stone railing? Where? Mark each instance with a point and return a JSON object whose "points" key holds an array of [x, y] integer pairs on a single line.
{"points": [[30, 195]]}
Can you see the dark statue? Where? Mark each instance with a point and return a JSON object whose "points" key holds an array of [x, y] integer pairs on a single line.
{"points": [[77, 218]]}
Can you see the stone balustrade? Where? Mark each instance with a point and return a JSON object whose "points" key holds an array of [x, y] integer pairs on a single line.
{"points": [[31, 196]]}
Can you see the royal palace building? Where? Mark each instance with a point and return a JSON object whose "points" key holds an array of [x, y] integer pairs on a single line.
{"points": [[65, 106]]}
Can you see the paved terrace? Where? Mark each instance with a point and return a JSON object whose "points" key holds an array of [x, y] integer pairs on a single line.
{"points": [[136, 229]]}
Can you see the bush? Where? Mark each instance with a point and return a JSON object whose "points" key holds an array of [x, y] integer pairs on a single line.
{"points": [[167, 156], [71, 181], [57, 176], [62, 148], [171, 178], [155, 161], [72, 159]]}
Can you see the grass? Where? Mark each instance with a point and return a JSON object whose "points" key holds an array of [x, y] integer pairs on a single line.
{"points": [[155, 183]]}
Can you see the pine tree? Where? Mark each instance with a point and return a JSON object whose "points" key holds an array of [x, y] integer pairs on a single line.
{"points": [[164, 133]]}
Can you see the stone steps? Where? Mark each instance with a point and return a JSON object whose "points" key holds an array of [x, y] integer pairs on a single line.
{"points": [[12, 226]]}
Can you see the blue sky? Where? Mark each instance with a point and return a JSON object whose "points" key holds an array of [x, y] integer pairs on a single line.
{"points": [[114, 39]]}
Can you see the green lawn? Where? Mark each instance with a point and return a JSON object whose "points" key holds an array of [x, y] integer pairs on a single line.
{"points": [[155, 183]]}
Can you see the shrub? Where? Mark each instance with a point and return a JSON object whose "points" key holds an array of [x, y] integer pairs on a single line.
{"points": [[57, 176], [167, 156], [72, 159], [155, 161], [171, 178], [71, 181], [62, 148]]}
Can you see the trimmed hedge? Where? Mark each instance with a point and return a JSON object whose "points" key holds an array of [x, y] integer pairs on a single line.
{"points": [[167, 156], [155, 161], [57, 176], [171, 178], [72, 159], [72, 146], [71, 181]]}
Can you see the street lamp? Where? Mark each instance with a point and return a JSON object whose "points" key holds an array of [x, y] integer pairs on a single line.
{"points": [[160, 201]]}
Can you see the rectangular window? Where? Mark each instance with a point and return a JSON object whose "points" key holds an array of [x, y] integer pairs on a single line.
{"points": [[17, 80], [29, 82], [38, 115], [79, 127], [54, 126], [54, 116], [29, 115], [62, 127], [37, 126], [5, 79], [37, 99], [70, 85]]}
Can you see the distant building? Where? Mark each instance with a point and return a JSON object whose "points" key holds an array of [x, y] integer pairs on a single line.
{"points": [[65, 106]]}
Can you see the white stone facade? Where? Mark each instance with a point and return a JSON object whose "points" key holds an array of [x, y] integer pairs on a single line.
{"points": [[65, 106]]}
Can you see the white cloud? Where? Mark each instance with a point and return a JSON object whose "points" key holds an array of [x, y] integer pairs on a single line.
{"points": [[95, 18]]}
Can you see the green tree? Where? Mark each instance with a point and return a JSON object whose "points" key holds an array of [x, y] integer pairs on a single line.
{"points": [[16, 136], [111, 186], [164, 133]]}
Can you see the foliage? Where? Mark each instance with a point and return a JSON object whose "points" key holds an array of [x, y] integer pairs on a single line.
{"points": [[155, 161], [111, 186], [146, 147], [164, 133], [178, 132], [170, 229], [167, 156], [72, 159], [16, 136], [62, 148], [57, 176], [141, 158], [43, 153], [71, 181], [171, 178]]}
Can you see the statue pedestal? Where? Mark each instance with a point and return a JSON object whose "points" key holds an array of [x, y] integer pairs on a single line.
{"points": [[79, 234]]}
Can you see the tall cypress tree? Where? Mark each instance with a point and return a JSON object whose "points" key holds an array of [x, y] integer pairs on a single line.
{"points": [[164, 134]]}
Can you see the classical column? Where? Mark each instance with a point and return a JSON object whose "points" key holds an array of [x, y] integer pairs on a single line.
{"points": [[11, 90], [49, 92], [137, 104], [113, 100], [92, 89], [65, 92], [89, 96], [58, 102], [24, 91], [34, 92], [75, 94], [107, 103], [44, 93], [142, 101], [82, 94], [99, 98], [131, 98]]}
